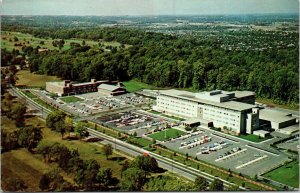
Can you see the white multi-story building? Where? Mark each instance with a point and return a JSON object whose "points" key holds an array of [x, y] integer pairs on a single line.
{"points": [[230, 109]]}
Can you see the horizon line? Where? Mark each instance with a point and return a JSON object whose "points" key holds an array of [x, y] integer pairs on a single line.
{"points": [[151, 15]]}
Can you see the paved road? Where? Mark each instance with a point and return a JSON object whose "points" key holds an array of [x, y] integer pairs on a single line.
{"points": [[29, 102], [183, 170]]}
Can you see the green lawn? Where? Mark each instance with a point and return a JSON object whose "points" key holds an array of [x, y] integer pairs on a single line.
{"points": [[287, 174], [134, 85], [169, 133], [30, 95], [70, 99], [254, 138], [140, 141], [34, 80]]}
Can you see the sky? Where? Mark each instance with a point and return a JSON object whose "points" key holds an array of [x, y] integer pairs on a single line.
{"points": [[146, 7]]}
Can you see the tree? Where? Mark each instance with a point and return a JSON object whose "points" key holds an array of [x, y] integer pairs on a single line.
{"points": [[125, 166], [81, 129], [216, 185], [56, 121], [18, 114], [146, 163], [104, 177], [107, 149], [29, 137], [44, 182], [133, 179], [44, 148], [53, 181], [87, 177], [14, 184], [68, 124], [201, 183]]}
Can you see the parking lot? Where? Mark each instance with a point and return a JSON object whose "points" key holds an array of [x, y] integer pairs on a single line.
{"points": [[94, 102], [225, 153], [133, 121], [290, 144]]}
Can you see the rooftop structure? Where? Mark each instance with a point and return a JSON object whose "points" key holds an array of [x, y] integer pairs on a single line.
{"points": [[108, 89]]}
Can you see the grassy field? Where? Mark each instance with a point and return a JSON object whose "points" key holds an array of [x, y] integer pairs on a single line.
{"points": [[27, 39], [254, 138], [70, 99], [169, 133], [134, 85], [24, 165], [140, 141], [287, 174], [34, 80]]}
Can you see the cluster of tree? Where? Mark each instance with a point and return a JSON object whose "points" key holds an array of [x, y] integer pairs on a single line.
{"points": [[27, 137], [168, 183], [53, 181], [58, 43], [24, 136], [13, 184], [88, 174], [134, 175], [171, 61]]}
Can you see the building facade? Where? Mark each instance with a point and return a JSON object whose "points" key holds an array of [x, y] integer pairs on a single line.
{"points": [[222, 108], [66, 87]]}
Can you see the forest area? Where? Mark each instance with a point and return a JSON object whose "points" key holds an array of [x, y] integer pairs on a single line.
{"points": [[162, 60]]}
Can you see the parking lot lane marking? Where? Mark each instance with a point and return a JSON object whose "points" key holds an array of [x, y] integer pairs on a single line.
{"points": [[228, 156], [251, 162]]}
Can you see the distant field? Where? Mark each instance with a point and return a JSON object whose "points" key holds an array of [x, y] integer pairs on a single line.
{"points": [[288, 174], [134, 85], [34, 80], [163, 135], [27, 39], [70, 99]]}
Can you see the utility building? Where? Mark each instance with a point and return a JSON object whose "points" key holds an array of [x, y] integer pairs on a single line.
{"points": [[112, 90]]}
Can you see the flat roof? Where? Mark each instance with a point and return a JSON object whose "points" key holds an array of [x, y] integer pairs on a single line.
{"points": [[61, 83], [240, 94], [233, 105], [274, 116], [108, 87]]}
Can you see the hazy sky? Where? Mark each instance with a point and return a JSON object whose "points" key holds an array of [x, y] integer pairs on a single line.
{"points": [[146, 7]]}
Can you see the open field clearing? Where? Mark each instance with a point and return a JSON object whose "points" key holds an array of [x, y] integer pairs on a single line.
{"points": [[8, 42], [34, 80]]}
